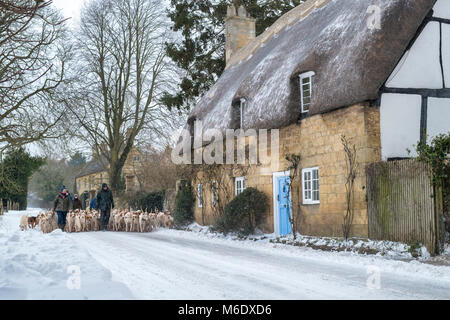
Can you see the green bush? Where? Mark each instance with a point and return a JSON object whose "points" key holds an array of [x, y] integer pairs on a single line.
{"points": [[151, 201], [243, 213], [184, 201]]}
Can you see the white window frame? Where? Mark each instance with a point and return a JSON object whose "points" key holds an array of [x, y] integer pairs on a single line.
{"points": [[307, 75], [136, 158], [200, 195], [306, 198], [213, 193], [238, 190], [242, 105]]}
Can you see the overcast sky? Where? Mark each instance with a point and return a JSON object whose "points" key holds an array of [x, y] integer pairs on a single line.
{"points": [[70, 8]]}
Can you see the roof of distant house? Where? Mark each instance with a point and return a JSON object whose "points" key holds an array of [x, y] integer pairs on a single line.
{"points": [[93, 166]]}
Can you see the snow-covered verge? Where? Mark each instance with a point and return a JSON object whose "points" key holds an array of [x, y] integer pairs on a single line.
{"points": [[396, 250], [374, 250], [34, 265]]}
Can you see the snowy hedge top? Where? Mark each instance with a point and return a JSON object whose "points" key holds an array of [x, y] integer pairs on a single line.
{"points": [[330, 37]]}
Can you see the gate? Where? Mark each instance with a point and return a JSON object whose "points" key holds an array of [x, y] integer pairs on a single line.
{"points": [[401, 206]]}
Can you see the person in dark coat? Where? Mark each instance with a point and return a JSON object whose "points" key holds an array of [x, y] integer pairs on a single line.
{"points": [[77, 203], [84, 200], [105, 202], [68, 193], [62, 205]]}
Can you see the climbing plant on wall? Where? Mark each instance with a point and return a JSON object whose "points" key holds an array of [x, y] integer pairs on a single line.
{"points": [[436, 154]]}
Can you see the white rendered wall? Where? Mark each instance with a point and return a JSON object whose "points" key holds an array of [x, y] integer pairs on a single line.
{"points": [[442, 9], [438, 118], [446, 52], [399, 124], [420, 66]]}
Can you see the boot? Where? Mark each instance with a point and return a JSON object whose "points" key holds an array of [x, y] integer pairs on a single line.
{"points": [[62, 226]]}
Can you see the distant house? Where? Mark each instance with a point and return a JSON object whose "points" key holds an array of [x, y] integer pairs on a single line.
{"points": [[377, 72], [91, 177], [94, 173]]}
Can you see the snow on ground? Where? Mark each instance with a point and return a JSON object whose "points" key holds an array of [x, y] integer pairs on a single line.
{"points": [[34, 265], [175, 264], [390, 249]]}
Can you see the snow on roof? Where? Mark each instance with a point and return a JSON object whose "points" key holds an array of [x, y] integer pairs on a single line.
{"points": [[350, 59]]}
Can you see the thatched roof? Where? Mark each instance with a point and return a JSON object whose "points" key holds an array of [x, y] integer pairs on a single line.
{"points": [[351, 61]]}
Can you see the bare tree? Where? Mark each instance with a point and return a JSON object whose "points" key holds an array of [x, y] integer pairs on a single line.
{"points": [[124, 71], [156, 171], [293, 168], [351, 165], [218, 178], [32, 64]]}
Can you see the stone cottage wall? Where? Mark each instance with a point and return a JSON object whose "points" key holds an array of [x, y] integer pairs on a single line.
{"points": [[318, 140]]}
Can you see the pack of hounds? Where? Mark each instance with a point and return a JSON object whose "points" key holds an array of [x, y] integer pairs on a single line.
{"points": [[85, 221]]}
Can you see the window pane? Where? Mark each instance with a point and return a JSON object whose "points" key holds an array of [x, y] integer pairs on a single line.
{"points": [[316, 174], [315, 184], [306, 80], [315, 195]]}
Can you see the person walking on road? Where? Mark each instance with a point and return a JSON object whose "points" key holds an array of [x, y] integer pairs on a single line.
{"points": [[93, 204], [62, 205], [105, 202], [77, 205], [85, 199]]}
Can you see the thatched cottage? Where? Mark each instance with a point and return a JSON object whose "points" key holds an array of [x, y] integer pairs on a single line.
{"points": [[376, 71]]}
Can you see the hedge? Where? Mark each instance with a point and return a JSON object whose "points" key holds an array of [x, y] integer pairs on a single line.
{"points": [[243, 213]]}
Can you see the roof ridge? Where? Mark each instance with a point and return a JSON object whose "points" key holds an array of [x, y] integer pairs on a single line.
{"points": [[300, 12]]}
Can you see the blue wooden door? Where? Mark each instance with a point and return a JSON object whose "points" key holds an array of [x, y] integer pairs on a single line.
{"points": [[284, 206]]}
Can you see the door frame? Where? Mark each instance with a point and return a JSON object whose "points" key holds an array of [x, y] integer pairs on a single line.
{"points": [[276, 210]]}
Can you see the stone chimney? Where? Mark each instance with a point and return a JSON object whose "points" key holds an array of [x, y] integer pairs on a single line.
{"points": [[239, 28]]}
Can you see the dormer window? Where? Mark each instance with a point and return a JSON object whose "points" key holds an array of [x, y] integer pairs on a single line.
{"points": [[242, 106], [191, 124], [238, 113], [306, 80]]}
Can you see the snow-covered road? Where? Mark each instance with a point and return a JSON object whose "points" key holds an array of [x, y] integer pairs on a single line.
{"points": [[170, 264]]}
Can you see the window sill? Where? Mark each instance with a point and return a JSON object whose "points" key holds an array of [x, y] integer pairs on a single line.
{"points": [[311, 203]]}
